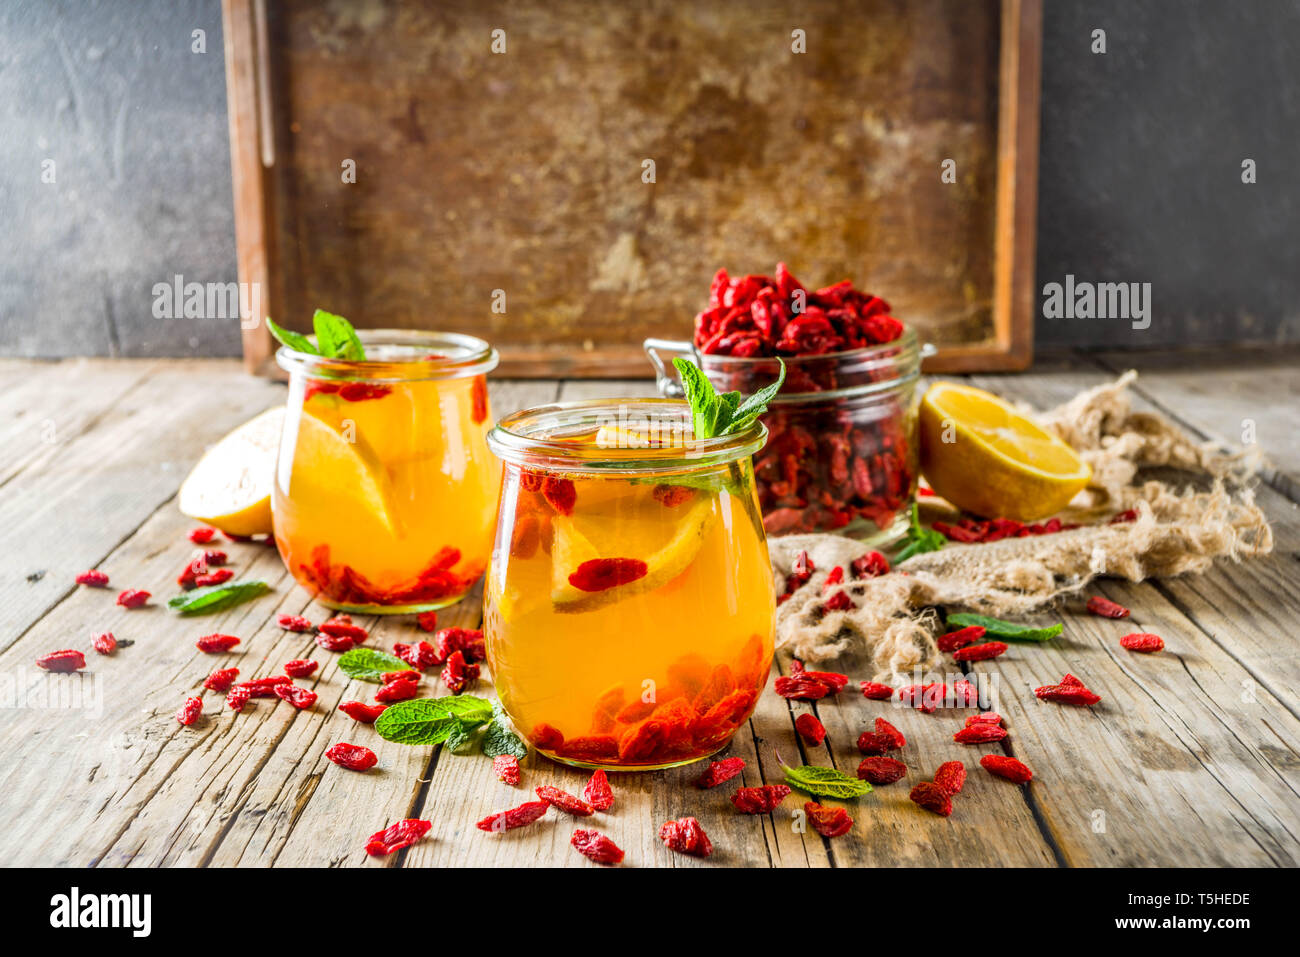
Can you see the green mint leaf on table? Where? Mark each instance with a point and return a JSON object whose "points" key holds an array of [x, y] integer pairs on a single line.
{"points": [[826, 782], [423, 721], [500, 738], [1007, 630], [204, 601], [336, 337], [712, 414], [367, 664], [919, 539], [294, 340]]}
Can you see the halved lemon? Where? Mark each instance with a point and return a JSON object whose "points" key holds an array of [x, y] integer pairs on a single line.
{"points": [[333, 475], [230, 488], [985, 457]]}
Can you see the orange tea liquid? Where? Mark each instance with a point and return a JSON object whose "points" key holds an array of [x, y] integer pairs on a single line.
{"points": [[385, 494], [629, 621]]}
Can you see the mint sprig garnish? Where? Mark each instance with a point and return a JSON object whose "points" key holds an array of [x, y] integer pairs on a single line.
{"points": [[712, 414], [919, 539], [335, 338], [458, 721]]}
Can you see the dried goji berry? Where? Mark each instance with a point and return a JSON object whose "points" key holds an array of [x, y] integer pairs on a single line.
{"points": [[506, 767], [420, 655], [870, 565], [962, 636], [596, 847], [840, 601], [828, 821], [333, 642], [469, 641], [881, 770], [1070, 681], [951, 776], [354, 757], [591, 747], [1073, 693], [984, 717], [965, 694], [759, 800], [564, 801], [990, 649], [932, 797], [1128, 515], [360, 711], [1005, 767], [294, 623], [264, 687], [1106, 608], [406, 674], [479, 399], [397, 836], [215, 557], [64, 661], [598, 793], [547, 738], [94, 578], [427, 620], [456, 674], [670, 496], [925, 698], [719, 772], [133, 598], [340, 627], [833, 577], [202, 535], [300, 698], [398, 689], [519, 816], [560, 493], [1144, 642], [215, 644], [890, 733], [237, 697], [981, 733], [220, 576], [810, 729], [300, 667], [876, 692], [800, 687], [190, 711], [105, 644], [598, 574], [685, 836], [221, 680], [832, 679]]}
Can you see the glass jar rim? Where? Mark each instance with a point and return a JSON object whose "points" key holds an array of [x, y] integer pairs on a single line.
{"points": [[450, 355], [528, 438]]}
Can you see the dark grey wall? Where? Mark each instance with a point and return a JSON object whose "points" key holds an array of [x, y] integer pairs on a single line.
{"points": [[1140, 171]]}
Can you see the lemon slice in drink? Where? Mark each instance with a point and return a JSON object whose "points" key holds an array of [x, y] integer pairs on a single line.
{"points": [[996, 463], [230, 488], [339, 478]]}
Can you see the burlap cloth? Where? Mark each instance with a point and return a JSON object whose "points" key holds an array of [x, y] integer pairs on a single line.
{"points": [[1197, 508]]}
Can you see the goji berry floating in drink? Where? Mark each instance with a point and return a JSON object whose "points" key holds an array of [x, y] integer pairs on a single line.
{"points": [[190, 711], [596, 847], [598, 793], [880, 770], [506, 767], [300, 698], [294, 623], [65, 661], [216, 644], [360, 711], [980, 734], [626, 632], [685, 836], [828, 821], [1106, 608], [951, 776], [133, 598], [354, 757], [93, 578], [810, 729], [564, 801], [383, 501], [876, 692], [397, 836], [1142, 642], [221, 680], [1005, 767], [984, 652], [1070, 691], [719, 772], [105, 644], [520, 816], [759, 800], [300, 667], [932, 797]]}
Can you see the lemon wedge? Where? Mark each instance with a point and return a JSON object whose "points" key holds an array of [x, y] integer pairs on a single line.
{"points": [[343, 479], [995, 462], [230, 488]]}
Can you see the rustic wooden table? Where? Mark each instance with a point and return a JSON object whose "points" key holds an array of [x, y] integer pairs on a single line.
{"points": [[1192, 758]]}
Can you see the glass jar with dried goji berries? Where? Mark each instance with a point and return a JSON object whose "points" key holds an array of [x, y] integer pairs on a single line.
{"points": [[629, 607], [385, 492], [842, 455]]}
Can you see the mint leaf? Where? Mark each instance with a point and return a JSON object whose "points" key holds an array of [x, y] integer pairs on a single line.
{"points": [[204, 601], [826, 782], [433, 720], [367, 664], [755, 405], [336, 337], [500, 738], [1008, 630], [919, 539], [294, 340], [700, 396]]}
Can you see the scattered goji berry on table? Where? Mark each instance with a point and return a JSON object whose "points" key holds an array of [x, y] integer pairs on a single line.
{"points": [[759, 800], [984, 717], [719, 772], [216, 644], [990, 649], [264, 687], [506, 767], [203, 535], [397, 690], [341, 627], [1106, 608], [828, 821], [519, 816], [833, 577], [685, 836], [1005, 767], [295, 623], [360, 711], [406, 674], [832, 679], [598, 793], [875, 691], [932, 797], [1143, 642], [421, 655], [93, 578], [468, 641], [300, 667], [237, 697], [1070, 691], [965, 694], [951, 776], [334, 642], [981, 733], [218, 577], [810, 729], [300, 698], [354, 757], [800, 687], [596, 847], [189, 712], [881, 770], [564, 801], [427, 620], [885, 738], [397, 836], [221, 680], [840, 601], [961, 637], [105, 644], [456, 674], [133, 598], [64, 661], [870, 565]]}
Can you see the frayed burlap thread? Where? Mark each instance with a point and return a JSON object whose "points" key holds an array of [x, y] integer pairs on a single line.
{"points": [[1178, 530]]}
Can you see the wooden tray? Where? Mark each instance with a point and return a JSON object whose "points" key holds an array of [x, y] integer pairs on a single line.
{"points": [[523, 171]]}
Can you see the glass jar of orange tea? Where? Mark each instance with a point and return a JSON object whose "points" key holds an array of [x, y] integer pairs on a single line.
{"points": [[629, 605], [385, 492]]}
